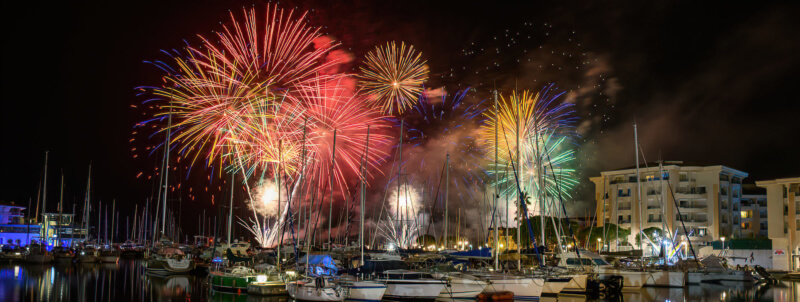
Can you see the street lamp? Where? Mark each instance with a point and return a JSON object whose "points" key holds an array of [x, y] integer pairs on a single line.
{"points": [[723, 243], [598, 244]]}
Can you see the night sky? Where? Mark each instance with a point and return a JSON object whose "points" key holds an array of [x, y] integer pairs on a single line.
{"points": [[706, 82]]}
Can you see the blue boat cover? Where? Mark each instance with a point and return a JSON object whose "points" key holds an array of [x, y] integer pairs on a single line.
{"points": [[321, 265], [479, 253]]}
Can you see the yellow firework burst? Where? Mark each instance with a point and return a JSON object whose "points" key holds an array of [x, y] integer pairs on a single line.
{"points": [[393, 76]]}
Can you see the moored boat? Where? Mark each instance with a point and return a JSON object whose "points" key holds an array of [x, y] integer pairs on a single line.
{"points": [[406, 284], [38, 254], [169, 261]]}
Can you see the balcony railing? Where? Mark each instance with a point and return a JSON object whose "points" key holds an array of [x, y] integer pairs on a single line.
{"points": [[653, 220], [624, 208], [653, 206], [695, 191]]}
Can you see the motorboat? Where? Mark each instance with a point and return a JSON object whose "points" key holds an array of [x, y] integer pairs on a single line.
{"points": [[268, 282], [594, 263], [88, 254], [11, 253], [169, 261], [233, 280], [109, 254], [714, 270], [407, 284], [63, 254], [37, 253]]}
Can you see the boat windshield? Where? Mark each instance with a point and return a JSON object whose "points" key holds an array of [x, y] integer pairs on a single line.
{"points": [[600, 262], [582, 261]]}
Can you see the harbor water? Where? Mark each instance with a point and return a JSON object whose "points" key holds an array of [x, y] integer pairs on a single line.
{"points": [[126, 281]]}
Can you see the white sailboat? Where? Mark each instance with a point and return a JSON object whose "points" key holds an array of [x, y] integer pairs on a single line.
{"points": [[406, 284]]}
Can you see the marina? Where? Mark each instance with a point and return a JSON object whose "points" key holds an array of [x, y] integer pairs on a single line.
{"points": [[371, 151], [126, 281]]}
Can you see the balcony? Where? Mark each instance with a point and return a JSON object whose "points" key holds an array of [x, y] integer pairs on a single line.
{"points": [[624, 221], [627, 208], [653, 206], [653, 220], [692, 191], [653, 192]]}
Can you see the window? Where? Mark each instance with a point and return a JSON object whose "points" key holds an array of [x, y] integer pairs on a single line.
{"points": [[702, 231], [745, 225], [747, 214]]}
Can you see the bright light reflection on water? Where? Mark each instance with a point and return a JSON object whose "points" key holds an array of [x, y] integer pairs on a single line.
{"points": [[126, 281]]}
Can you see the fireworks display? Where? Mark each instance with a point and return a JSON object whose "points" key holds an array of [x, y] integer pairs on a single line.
{"points": [[393, 77], [266, 99], [532, 132]]}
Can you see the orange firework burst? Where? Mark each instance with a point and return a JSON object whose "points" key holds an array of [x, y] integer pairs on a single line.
{"points": [[212, 91], [393, 77]]}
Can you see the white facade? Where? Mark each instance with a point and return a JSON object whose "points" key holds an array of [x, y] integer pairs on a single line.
{"points": [[783, 211], [706, 196]]}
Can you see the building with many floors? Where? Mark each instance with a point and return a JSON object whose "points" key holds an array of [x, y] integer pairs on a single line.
{"points": [[16, 229], [783, 227], [701, 202], [753, 211]]}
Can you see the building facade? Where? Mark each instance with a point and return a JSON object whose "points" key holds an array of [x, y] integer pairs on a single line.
{"points": [[13, 227], [701, 202], [754, 211], [783, 228]]}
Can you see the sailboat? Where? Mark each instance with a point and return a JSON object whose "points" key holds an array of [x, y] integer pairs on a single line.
{"points": [[37, 252], [168, 259], [363, 290]]}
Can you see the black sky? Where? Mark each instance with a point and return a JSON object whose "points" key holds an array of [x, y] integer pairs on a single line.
{"points": [[709, 82]]}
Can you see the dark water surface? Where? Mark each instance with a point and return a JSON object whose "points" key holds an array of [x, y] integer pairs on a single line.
{"points": [[126, 281]]}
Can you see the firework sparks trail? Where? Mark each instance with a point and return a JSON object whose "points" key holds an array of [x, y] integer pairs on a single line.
{"points": [[213, 89], [393, 76], [331, 106], [545, 126]]}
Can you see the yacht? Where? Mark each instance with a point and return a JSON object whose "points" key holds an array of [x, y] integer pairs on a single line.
{"points": [[38, 254], [461, 286], [321, 288], [633, 279], [88, 254], [11, 253], [169, 261], [109, 254], [524, 288], [356, 290], [63, 254], [406, 284]]}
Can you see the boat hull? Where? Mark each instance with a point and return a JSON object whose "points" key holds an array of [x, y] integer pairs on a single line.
{"points": [[39, 258], [632, 280], [299, 290], [165, 267], [524, 289], [578, 284], [554, 285], [463, 288], [414, 289], [269, 288], [108, 259], [231, 284], [369, 291], [719, 276]]}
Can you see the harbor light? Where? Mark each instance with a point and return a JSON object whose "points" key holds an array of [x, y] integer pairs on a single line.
{"points": [[261, 278]]}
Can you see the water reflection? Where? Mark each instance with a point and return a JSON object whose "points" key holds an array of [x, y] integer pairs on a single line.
{"points": [[126, 281]]}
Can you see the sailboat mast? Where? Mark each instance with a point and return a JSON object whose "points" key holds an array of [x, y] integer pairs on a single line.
{"points": [[60, 209], [446, 197], [363, 197], [87, 205], [45, 227], [166, 170], [113, 219], [638, 184], [230, 210], [330, 206], [399, 172], [496, 249]]}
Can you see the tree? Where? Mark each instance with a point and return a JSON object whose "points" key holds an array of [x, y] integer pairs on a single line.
{"points": [[611, 232]]}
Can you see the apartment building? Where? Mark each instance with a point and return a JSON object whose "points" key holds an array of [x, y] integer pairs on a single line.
{"points": [[783, 210], [701, 202], [754, 211]]}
